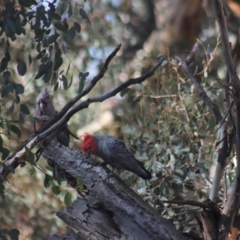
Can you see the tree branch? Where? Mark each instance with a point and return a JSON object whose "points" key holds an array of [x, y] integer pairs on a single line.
{"points": [[232, 205], [201, 91], [12, 162], [89, 87], [100, 98], [111, 208]]}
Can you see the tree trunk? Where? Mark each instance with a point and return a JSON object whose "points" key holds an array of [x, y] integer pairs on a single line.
{"points": [[111, 210]]}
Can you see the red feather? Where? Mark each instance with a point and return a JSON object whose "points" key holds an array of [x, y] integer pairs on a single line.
{"points": [[89, 143]]}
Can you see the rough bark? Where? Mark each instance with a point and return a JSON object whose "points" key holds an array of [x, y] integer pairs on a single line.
{"points": [[111, 210]]}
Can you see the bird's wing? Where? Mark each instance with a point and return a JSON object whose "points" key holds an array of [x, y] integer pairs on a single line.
{"points": [[123, 157]]}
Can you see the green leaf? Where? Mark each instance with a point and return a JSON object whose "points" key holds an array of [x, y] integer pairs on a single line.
{"points": [[3, 64], [19, 88], [11, 25], [30, 157], [49, 168], [62, 26], [6, 77], [58, 63], [22, 68], [42, 69], [15, 129], [39, 47], [68, 199], [68, 69], [5, 153], [21, 118], [65, 83], [77, 27], [48, 181], [82, 77], [56, 86], [84, 15], [32, 171], [62, 182], [81, 86], [7, 90], [39, 74], [41, 54], [24, 109], [56, 190], [53, 38], [29, 59], [7, 56], [71, 80], [71, 33], [70, 10], [45, 59], [48, 75]]}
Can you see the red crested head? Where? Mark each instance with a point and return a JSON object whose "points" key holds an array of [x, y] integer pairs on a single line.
{"points": [[89, 143]]}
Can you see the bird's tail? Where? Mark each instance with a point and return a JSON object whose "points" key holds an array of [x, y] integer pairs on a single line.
{"points": [[142, 172]]}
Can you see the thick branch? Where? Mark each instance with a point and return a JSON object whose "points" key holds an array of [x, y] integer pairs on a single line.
{"points": [[111, 208]]}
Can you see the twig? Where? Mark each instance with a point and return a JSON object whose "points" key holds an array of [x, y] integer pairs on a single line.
{"points": [[225, 116], [100, 98], [191, 55], [220, 14], [201, 91], [191, 203], [90, 86]]}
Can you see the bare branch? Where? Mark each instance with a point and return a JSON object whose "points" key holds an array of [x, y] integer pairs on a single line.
{"points": [[100, 98], [201, 91], [192, 203], [90, 86], [191, 55], [223, 148], [220, 14]]}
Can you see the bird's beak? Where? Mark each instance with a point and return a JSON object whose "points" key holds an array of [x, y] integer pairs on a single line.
{"points": [[41, 105]]}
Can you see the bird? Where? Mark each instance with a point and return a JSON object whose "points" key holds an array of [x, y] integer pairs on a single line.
{"points": [[44, 111], [115, 153]]}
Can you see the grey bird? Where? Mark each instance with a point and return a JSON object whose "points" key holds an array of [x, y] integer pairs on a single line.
{"points": [[44, 111], [115, 153]]}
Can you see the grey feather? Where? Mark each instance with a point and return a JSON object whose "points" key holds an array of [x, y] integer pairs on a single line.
{"points": [[45, 110], [115, 153]]}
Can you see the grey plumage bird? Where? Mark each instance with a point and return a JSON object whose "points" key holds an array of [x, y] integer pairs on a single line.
{"points": [[44, 111], [115, 153]]}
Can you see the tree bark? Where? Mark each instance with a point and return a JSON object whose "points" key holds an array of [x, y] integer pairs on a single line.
{"points": [[111, 210]]}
